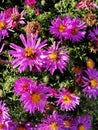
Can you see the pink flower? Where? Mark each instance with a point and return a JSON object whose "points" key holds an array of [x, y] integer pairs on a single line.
{"points": [[30, 2]]}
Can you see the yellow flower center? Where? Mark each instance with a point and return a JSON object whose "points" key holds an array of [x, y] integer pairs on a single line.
{"points": [[24, 87], [21, 128], [36, 97], [74, 31], [81, 127], [53, 56], [15, 16], [90, 64], [2, 25], [1, 126], [61, 28], [28, 52], [93, 83], [67, 123], [54, 126], [66, 99]]}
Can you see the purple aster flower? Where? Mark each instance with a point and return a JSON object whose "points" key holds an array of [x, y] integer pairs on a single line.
{"points": [[22, 85], [56, 58], [53, 122], [59, 27], [90, 83], [76, 30], [16, 17], [6, 125], [93, 34], [30, 55], [83, 123], [67, 100], [36, 98], [68, 122], [30, 2], [4, 25], [3, 111], [24, 126]]}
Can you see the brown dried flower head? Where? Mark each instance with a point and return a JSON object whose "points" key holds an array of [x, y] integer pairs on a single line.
{"points": [[32, 27], [94, 47], [90, 19]]}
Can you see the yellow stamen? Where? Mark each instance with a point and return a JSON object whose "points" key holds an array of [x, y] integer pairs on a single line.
{"points": [[93, 83], [74, 31], [66, 99], [28, 52], [67, 123], [53, 56], [15, 16], [2, 25], [54, 126], [36, 97], [1, 126], [81, 127], [62, 28]]}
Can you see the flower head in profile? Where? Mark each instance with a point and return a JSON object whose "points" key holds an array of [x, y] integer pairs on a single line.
{"points": [[59, 27], [22, 85], [36, 98], [56, 58], [90, 83], [16, 17], [30, 2], [76, 30], [3, 111], [93, 34], [4, 25], [83, 123], [53, 122], [66, 100], [31, 55]]}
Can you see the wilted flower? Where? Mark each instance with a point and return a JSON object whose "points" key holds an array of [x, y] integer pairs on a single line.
{"points": [[57, 58], [90, 83], [67, 100], [37, 11], [36, 98], [31, 55], [32, 28], [52, 122], [90, 19]]}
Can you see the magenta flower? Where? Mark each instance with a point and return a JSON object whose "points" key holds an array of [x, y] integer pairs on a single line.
{"points": [[24, 126], [4, 26], [76, 30], [53, 122], [3, 112], [83, 123], [90, 83], [56, 58], [30, 2], [16, 17], [22, 85], [67, 100], [93, 34], [36, 98], [31, 55], [59, 27]]}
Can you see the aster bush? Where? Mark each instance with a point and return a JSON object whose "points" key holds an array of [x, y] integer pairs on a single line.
{"points": [[48, 65]]}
